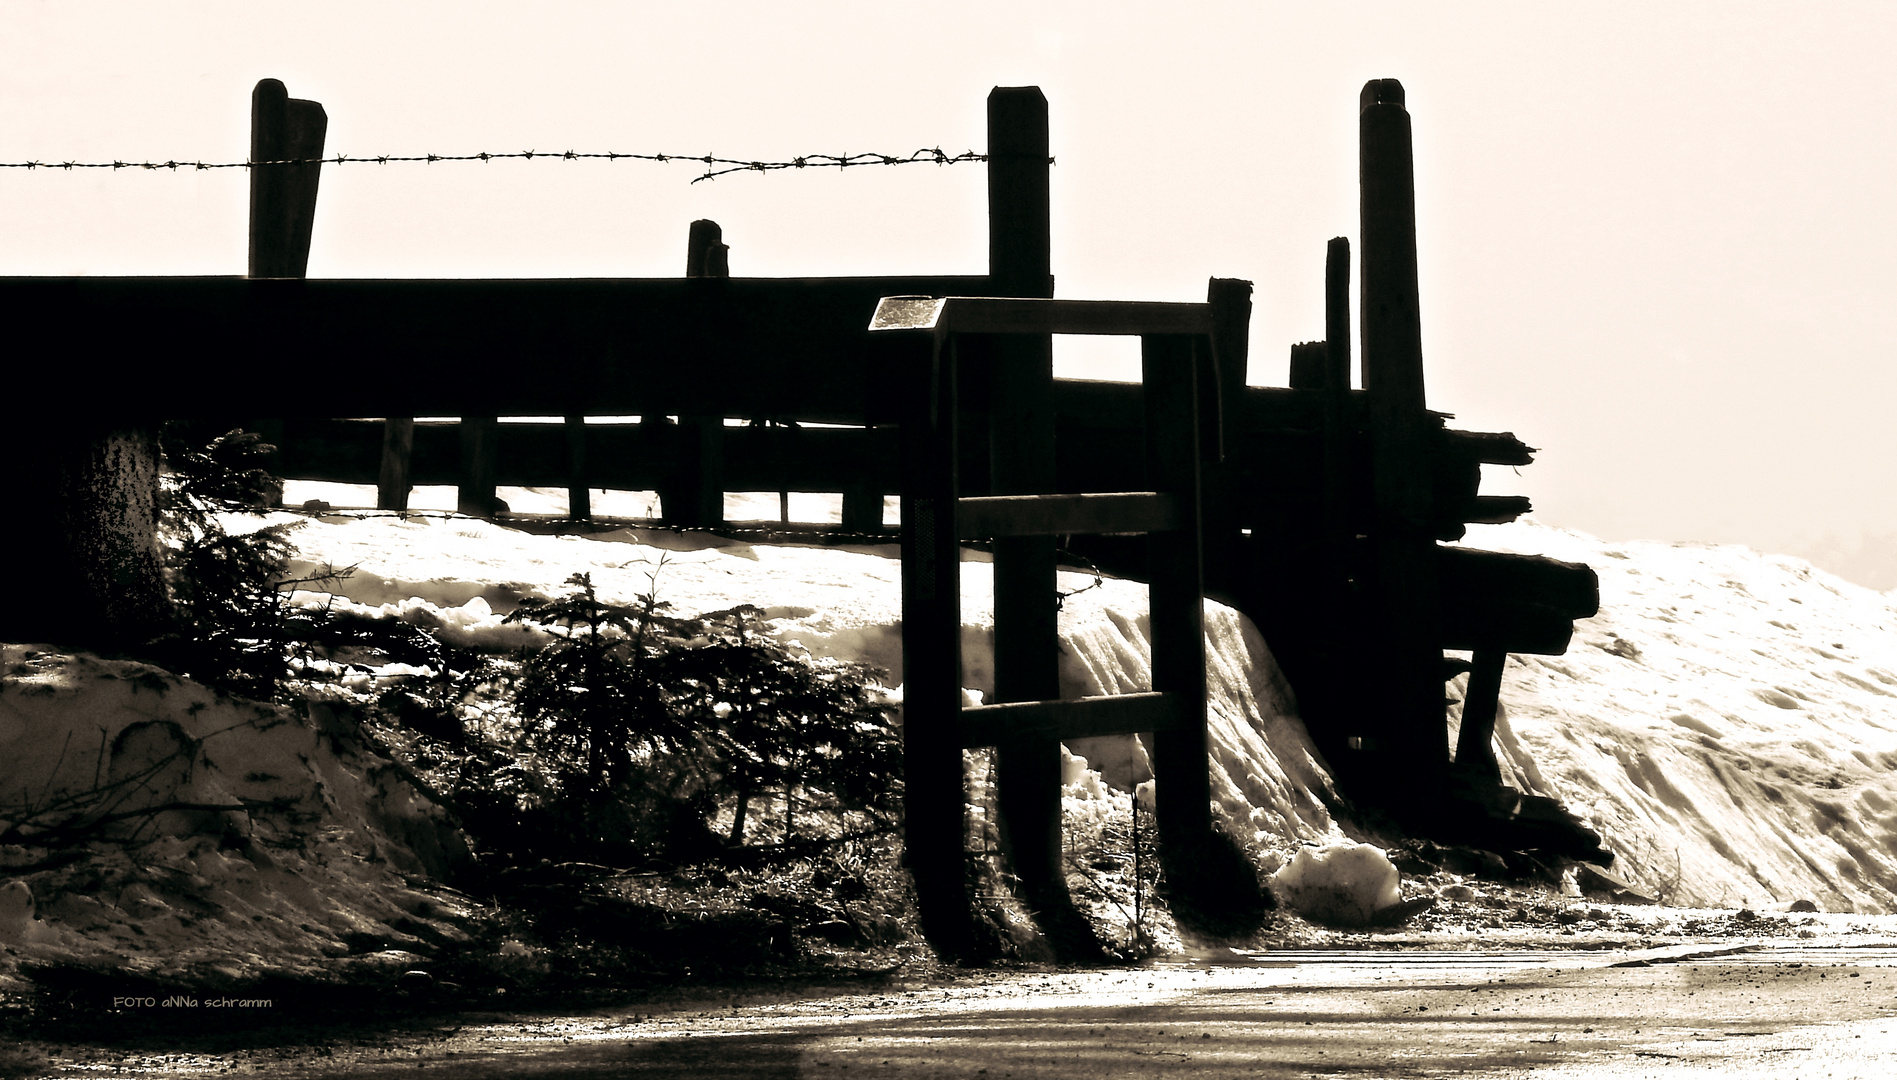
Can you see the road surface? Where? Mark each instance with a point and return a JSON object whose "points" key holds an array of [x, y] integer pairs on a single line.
{"points": [[1761, 1010]]}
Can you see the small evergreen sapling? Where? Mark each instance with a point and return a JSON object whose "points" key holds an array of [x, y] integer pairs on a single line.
{"points": [[233, 629]]}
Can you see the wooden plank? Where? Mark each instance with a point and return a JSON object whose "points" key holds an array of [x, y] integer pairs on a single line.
{"points": [[1486, 577], [1496, 509], [743, 347], [1074, 718], [1008, 315], [983, 517], [283, 197], [1488, 447]]}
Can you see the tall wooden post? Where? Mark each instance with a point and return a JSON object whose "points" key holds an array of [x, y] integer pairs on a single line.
{"points": [[934, 816], [696, 497], [1404, 741], [1183, 785], [1021, 456], [283, 197]]}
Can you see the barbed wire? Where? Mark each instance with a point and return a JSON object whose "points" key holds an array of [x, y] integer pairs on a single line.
{"points": [[931, 155]]}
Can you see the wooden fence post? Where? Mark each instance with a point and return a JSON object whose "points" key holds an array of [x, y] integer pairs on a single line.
{"points": [[579, 492], [1182, 790], [480, 455], [283, 197], [1475, 746], [696, 498], [1406, 741], [1021, 461], [398, 448], [1221, 415], [934, 816]]}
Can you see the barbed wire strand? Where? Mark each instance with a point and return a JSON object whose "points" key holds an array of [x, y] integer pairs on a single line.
{"points": [[932, 155]]}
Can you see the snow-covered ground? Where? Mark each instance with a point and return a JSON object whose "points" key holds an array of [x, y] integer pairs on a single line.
{"points": [[1728, 722]]}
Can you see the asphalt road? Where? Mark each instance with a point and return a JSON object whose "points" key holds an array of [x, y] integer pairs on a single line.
{"points": [[1765, 1011]]}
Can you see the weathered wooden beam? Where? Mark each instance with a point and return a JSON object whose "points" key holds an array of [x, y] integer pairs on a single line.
{"points": [[1073, 718], [1005, 315], [989, 516], [1573, 589], [743, 347], [1488, 447]]}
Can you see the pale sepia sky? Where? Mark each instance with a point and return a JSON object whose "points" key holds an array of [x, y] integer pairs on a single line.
{"points": [[1658, 240]]}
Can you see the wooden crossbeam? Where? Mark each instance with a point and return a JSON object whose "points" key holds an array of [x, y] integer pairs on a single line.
{"points": [[1074, 718], [1008, 315], [983, 517]]}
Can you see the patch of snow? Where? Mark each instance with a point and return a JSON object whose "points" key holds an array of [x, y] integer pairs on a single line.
{"points": [[1342, 884]]}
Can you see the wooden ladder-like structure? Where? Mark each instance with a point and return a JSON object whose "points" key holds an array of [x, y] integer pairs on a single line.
{"points": [[1176, 340]]}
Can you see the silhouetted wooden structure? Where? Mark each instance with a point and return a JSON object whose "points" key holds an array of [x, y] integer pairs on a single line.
{"points": [[1317, 509]]}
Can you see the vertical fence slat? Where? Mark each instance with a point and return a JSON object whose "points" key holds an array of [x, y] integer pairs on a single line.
{"points": [[392, 485], [934, 815], [1475, 746], [480, 453], [579, 490], [1176, 589]]}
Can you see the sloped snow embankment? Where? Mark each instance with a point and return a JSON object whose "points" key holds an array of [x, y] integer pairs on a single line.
{"points": [[1728, 721], [846, 601], [211, 839]]}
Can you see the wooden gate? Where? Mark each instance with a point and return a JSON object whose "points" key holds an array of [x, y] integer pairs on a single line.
{"points": [[1176, 342]]}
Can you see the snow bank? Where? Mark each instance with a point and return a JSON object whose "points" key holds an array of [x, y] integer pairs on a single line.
{"points": [[1267, 780], [1728, 722], [222, 838]]}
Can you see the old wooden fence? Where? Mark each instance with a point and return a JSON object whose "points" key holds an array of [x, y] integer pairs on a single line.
{"points": [[1316, 508]]}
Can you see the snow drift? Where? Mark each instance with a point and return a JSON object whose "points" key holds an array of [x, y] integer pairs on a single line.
{"points": [[218, 838], [1728, 722]]}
